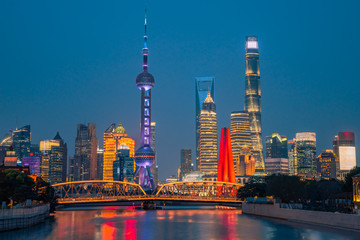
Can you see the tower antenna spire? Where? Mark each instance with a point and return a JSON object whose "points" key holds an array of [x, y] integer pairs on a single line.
{"points": [[145, 19]]}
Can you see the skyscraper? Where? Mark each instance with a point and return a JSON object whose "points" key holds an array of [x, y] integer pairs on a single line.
{"points": [[292, 157], [100, 162], [144, 156], [245, 163], [185, 162], [240, 133], [85, 158], [208, 137], [114, 137], [252, 99], [154, 167], [203, 85], [344, 149], [276, 146], [34, 164], [306, 152], [326, 164], [123, 166], [22, 142], [54, 159]]}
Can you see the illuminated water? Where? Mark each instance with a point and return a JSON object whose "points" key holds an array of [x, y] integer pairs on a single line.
{"points": [[118, 223]]}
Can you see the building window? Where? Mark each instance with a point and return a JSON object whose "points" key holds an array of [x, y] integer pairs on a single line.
{"points": [[147, 102], [147, 112]]}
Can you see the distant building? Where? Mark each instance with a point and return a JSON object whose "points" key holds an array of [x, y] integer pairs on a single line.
{"points": [[203, 85], [208, 137], [100, 161], [326, 164], [276, 146], [185, 162], [306, 152], [292, 157], [113, 138], [10, 158], [22, 142], [123, 166], [278, 166], [54, 160], [171, 179], [245, 163], [344, 149], [34, 164], [154, 166], [194, 176], [240, 132], [5, 143], [85, 158]]}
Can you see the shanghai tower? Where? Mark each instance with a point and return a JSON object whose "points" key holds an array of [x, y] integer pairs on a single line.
{"points": [[252, 99], [144, 156]]}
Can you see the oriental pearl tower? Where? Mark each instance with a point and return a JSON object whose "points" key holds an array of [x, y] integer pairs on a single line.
{"points": [[144, 156]]}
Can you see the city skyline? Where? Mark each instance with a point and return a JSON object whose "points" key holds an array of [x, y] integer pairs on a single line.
{"points": [[284, 76]]}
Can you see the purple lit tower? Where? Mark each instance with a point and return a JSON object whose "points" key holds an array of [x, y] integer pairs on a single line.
{"points": [[144, 156]]}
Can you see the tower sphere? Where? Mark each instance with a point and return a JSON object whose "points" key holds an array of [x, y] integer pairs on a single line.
{"points": [[145, 80], [144, 156]]}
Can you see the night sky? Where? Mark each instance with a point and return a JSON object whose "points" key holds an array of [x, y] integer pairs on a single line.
{"points": [[69, 62]]}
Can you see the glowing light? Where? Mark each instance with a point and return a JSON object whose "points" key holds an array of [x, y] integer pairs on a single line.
{"points": [[347, 156], [252, 45]]}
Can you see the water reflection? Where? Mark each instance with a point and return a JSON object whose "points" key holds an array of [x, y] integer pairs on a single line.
{"points": [[122, 223]]}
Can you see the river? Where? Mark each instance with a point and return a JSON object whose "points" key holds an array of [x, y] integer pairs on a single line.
{"points": [[173, 224]]}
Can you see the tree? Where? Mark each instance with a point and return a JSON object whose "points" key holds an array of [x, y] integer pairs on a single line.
{"points": [[252, 190], [287, 188], [348, 185]]}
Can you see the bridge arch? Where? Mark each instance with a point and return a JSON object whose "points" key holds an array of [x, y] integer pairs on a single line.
{"points": [[199, 190], [97, 191]]}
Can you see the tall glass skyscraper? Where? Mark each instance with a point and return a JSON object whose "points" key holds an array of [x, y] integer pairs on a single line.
{"points": [[252, 99], [208, 137], [306, 152], [22, 142], [203, 85], [276, 146]]}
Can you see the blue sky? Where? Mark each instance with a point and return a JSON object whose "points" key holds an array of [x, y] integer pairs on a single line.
{"points": [[69, 62]]}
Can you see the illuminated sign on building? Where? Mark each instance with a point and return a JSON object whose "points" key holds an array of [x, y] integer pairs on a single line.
{"points": [[252, 44], [347, 156]]}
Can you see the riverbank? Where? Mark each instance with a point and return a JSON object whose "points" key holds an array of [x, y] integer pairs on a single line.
{"points": [[16, 218], [348, 221]]}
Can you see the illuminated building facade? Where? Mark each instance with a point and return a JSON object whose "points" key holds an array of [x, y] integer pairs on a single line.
{"points": [[145, 156], [123, 166], [154, 167], [252, 99], [85, 158], [34, 164], [10, 157], [208, 137], [326, 164], [203, 85], [54, 159], [245, 163], [185, 162], [22, 142], [276, 146], [226, 171], [240, 132], [306, 152], [114, 138], [344, 149], [277, 166], [100, 162]]}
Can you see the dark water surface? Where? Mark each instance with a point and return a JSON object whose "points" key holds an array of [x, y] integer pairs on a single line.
{"points": [[121, 223]]}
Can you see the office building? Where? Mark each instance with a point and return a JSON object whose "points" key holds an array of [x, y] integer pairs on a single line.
{"points": [[114, 137], [54, 159], [100, 161], [276, 146], [344, 149], [277, 166], [306, 153], [253, 99], [185, 163], [292, 157], [154, 167], [22, 142], [240, 132], [34, 164], [326, 165], [245, 163], [85, 158], [203, 85], [123, 166], [208, 137], [10, 157]]}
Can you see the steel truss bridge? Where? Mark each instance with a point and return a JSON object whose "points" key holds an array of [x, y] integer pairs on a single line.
{"points": [[98, 191]]}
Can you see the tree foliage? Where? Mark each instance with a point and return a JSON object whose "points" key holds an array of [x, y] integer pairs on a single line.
{"points": [[348, 186]]}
